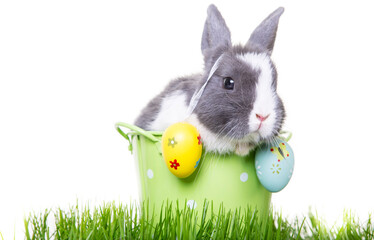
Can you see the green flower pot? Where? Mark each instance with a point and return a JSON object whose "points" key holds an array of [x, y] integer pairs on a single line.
{"points": [[229, 179]]}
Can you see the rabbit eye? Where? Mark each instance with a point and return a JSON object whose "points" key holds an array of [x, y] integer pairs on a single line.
{"points": [[228, 83]]}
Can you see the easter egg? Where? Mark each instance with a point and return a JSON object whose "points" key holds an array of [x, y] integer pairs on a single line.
{"points": [[274, 165], [181, 149]]}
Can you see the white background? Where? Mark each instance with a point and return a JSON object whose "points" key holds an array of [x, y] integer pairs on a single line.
{"points": [[70, 69]]}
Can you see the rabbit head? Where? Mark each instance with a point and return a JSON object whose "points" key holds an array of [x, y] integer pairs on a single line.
{"points": [[240, 100]]}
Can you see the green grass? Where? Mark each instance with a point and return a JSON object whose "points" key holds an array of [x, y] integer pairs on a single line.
{"points": [[111, 221]]}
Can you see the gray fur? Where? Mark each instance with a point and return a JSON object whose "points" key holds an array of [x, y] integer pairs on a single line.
{"points": [[223, 111], [263, 37], [187, 84], [215, 33]]}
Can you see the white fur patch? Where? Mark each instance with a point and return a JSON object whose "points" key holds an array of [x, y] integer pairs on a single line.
{"points": [[265, 102], [173, 109], [211, 141]]}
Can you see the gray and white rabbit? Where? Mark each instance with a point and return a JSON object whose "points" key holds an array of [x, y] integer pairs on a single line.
{"points": [[238, 106]]}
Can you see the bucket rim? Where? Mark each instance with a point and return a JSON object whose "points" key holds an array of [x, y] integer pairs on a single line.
{"points": [[135, 130], [154, 136], [154, 133]]}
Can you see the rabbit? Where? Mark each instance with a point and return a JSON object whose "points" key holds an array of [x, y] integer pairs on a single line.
{"points": [[233, 103]]}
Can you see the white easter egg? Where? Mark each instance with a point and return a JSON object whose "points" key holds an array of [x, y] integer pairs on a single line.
{"points": [[274, 165]]}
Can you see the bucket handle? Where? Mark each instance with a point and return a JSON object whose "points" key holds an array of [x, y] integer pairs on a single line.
{"points": [[136, 129]]}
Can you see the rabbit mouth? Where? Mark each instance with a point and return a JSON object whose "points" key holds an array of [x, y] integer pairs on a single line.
{"points": [[255, 133], [262, 133]]}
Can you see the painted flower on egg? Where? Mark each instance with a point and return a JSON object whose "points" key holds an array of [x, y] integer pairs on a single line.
{"points": [[174, 164]]}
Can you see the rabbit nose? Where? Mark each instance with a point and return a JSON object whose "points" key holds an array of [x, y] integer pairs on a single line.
{"points": [[262, 117]]}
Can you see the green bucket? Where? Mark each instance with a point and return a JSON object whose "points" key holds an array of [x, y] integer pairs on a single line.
{"points": [[226, 180]]}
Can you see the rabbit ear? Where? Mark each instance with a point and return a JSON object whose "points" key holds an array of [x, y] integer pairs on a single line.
{"points": [[216, 33], [263, 37]]}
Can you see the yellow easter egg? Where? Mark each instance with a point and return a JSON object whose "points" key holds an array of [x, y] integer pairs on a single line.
{"points": [[181, 149]]}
